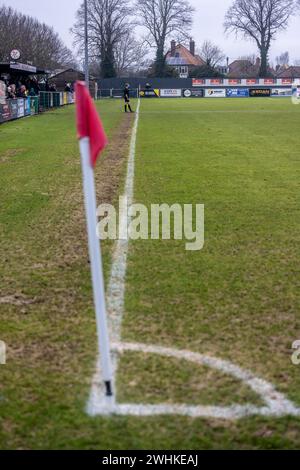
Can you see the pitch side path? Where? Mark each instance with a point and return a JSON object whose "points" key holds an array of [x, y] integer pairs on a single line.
{"points": [[236, 300]]}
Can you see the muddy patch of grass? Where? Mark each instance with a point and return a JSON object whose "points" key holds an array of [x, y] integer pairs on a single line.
{"points": [[9, 154]]}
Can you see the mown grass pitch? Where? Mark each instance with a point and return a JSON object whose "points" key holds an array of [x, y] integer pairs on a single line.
{"points": [[237, 299]]}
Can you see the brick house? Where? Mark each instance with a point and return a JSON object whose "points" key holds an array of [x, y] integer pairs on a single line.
{"points": [[182, 59], [289, 72], [244, 68]]}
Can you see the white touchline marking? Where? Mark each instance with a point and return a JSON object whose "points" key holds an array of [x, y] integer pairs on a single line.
{"points": [[276, 404]]}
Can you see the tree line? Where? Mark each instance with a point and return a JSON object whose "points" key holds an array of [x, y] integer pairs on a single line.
{"points": [[115, 48], [38, 43], [124, 36]]}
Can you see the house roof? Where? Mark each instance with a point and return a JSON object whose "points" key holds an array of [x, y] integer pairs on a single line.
{"points": [[290, 72], [61, 71], [58, 72], [183, 57], [243, 68]]}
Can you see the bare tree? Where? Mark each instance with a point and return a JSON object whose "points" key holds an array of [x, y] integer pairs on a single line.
{"points": [[260, 21], [283, 59], [163, 18], [130, 55], [37, 42], [249, 65], [211, 54], [108, 24]]}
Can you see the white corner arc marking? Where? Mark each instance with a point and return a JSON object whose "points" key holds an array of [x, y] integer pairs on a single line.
{"points": [[275, 403]]}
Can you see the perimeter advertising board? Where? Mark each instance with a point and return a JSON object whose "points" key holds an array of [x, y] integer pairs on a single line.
{"points": [[188, 93], [13, 109], [170, 93], [237, 93], [260, 92], [2, 92], [198, 81], [149, 93], [27, 106], [21, 108], [215, 93], [252, 81], [281, 91], [5, 112]]}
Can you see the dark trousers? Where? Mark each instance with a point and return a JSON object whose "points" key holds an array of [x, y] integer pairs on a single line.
{"points": [[127, 106]]}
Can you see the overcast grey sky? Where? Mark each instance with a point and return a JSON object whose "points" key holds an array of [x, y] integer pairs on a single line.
{"points": [[208, 24]]}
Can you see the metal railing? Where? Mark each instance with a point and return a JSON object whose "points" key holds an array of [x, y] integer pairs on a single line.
{"points": [[116, 93]]}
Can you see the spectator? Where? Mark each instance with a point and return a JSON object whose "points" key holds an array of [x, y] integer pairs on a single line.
{"points": [[32, 92], [36, 87], [52, 88], [22, 92], [68, 87], [13, 90], [10, 94]]}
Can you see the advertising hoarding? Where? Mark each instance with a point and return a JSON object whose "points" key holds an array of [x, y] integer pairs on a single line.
{"points": [[5, 112], [21, 107], [269, 81], [281, 92], [215, 93], [188, 93], [260, 92], [171, 93], [27, 107], [149, 93], [216, 81], [234, 81], [198, 81], [2, 92], [13, 109], [237, 92]]}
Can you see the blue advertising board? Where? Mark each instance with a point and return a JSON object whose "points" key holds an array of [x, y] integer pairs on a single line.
{"points": [[27, 106], [237, 93]]}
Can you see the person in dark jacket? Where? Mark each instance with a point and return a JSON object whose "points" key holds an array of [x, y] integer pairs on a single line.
{"points": [[127, 98]]}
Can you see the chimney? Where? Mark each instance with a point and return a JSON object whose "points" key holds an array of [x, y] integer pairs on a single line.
{"points": [[192, 46], [173, 48]]}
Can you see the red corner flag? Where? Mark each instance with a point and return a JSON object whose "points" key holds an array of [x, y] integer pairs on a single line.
{"points": [[92, 141], [88, 122]]}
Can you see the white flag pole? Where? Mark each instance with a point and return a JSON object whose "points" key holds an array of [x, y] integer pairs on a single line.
{"points": [[96, 265]]}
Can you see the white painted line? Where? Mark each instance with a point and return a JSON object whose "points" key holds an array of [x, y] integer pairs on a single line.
{"points": [[275, 403], [116, 288]]}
